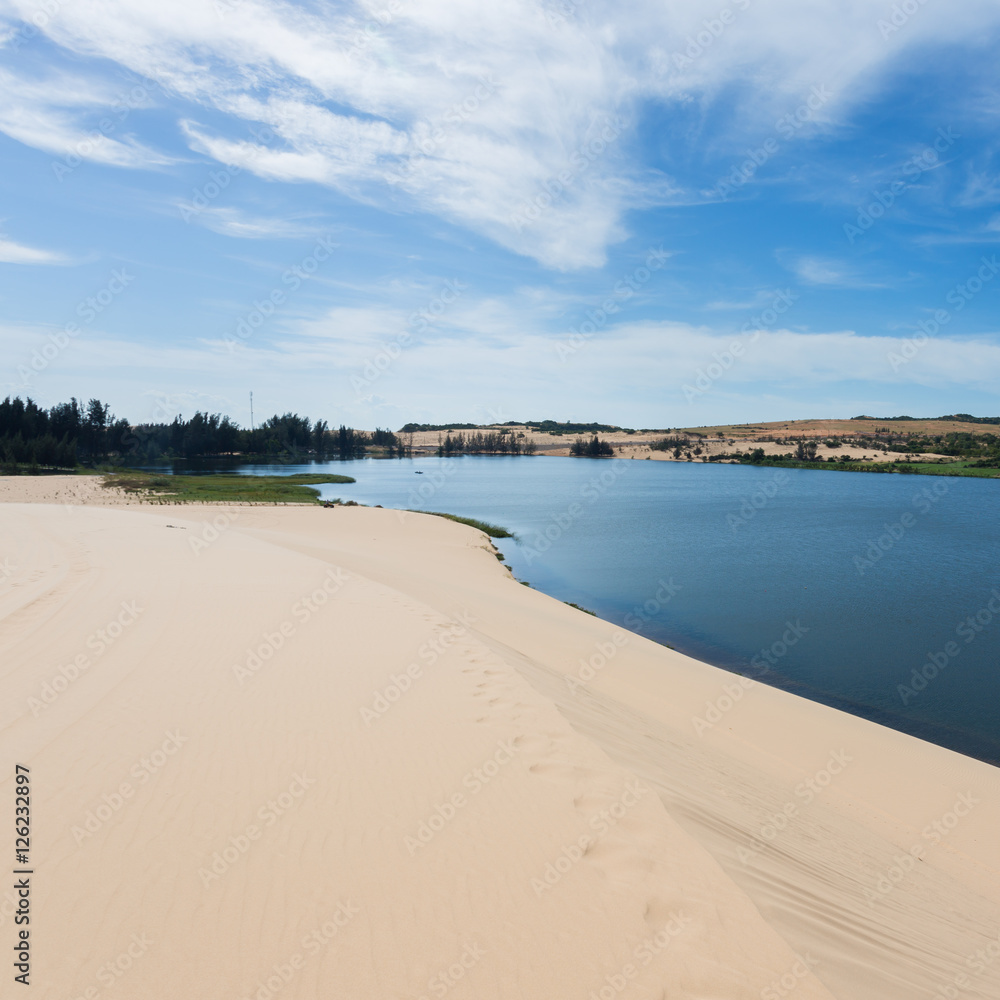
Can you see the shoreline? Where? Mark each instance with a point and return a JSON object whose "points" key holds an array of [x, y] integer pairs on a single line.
{"points": [[777, 836], [880, 468], [94, 493]]}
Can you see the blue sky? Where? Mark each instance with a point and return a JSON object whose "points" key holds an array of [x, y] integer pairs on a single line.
{"points": [[654, 215]]}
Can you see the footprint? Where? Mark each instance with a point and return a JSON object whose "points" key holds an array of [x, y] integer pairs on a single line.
{"points": [[659, 912], [621, 862]]}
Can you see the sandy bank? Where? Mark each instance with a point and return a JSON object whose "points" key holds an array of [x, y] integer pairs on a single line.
{"points": [[307, 753]]}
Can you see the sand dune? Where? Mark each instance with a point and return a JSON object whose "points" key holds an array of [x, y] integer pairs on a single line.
{"points": [[299, 753]]}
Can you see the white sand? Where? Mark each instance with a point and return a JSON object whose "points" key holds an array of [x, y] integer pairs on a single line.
{"points": [[322, 806]]}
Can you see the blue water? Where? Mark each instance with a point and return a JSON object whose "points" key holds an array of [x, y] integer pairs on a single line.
{"points": [[723, 561]]}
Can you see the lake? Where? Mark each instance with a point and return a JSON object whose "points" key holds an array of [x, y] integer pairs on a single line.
{"points": [[877, 594]]}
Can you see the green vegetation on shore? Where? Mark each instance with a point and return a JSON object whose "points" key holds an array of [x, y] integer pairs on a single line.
{"points": [[87, 438], [955, 468], [963, 418], [594, 448], [502, 442], [493, 530], [553, 427], [222, 489]]}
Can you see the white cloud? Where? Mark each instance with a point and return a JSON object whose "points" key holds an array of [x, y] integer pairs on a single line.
{"points": [[479, 349], [824, 271], [49, 115], [17, 253], [229, 221], [635, 371], [982, 189], [478, 109], [759, 298]]}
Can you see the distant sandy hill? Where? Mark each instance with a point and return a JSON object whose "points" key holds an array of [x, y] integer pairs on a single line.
{"points": [[861, 438]]}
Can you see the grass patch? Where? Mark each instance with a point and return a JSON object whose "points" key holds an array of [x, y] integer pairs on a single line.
{"points": [[960, 468], [586, 611], [493, 530], [159, 488], [963, 467]]}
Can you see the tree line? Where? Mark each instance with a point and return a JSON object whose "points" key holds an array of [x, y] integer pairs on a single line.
{"points": [[502, 442], [72, 434], [594, 448]]}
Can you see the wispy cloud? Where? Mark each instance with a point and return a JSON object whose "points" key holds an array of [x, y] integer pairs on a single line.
{"points": [[982, 188], [233, 222], [478, 112], [17, 253], [829, 273], [51, 114], [755, 301]]}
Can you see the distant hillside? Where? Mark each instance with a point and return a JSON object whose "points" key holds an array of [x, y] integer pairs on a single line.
{"points": [[962, 418]]}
